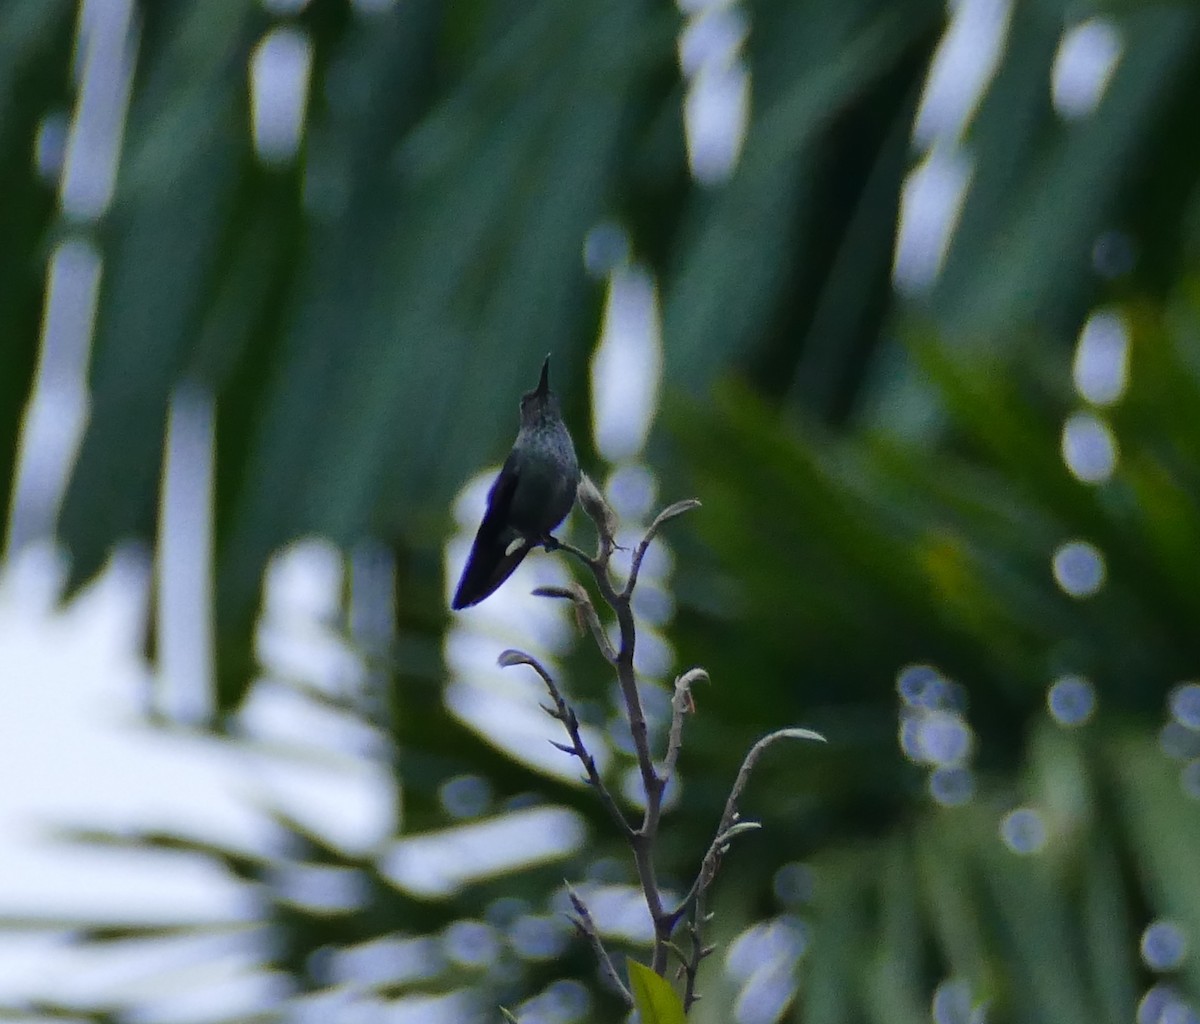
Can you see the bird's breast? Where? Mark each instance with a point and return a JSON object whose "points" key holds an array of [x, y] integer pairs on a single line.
{"points": [[545, 492]]}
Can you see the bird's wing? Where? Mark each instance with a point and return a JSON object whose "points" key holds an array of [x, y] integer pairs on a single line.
{"points": [[499, 501], [498, 549]]}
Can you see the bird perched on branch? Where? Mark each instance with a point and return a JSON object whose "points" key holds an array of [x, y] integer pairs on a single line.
{"points": [[532, 495]]}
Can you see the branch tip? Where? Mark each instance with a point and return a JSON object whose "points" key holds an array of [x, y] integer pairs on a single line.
{"points": [[512, 657], [598, 510], [562, 593], [676, 509]]}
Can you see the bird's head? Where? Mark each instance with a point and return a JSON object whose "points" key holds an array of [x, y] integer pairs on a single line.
{"points": [[539, 404]]}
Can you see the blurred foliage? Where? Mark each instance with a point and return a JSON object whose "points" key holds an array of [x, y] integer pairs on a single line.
{"points": [[882, 480]]}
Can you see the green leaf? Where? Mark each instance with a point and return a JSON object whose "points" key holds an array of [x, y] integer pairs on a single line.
{"points": [[653, 996]]}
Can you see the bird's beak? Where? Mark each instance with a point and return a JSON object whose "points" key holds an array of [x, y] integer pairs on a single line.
{"points": [[543, 388]]}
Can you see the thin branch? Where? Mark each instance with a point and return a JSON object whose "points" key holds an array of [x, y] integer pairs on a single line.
{"points": [[593, 562], [681, 705], [729, 827], [564, 713], [660, 520], [699, 951], [748, 765], [585, 613], [586, 927]]}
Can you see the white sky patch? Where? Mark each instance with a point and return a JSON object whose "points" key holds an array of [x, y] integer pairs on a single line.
{"points": [[57, 412], [962, 68], [106, 46], [716, 117], [126, 886], [716, 105], [299, 637], [930, 204], [1087, 58], [228, 996], [349, 802], [933, 194], [715, 35], [279, 714], [304, 581], [627, 365], [154, 967], [438, 863], [279, 75]]}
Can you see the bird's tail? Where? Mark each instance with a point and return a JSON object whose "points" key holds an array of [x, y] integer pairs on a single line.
{"points": [[490, 563]]}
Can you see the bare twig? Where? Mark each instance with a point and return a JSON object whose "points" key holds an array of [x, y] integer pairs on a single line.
{"points": [[593, 562], [757, 751], [586, 612], [586, 927], [563, 712], [729, 827], [660, 520], [699, 951], [681, 704]]}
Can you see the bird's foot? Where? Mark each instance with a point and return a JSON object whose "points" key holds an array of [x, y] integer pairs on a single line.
{"points": [[551, 543]]}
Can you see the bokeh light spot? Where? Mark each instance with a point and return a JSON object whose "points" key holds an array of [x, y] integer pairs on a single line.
{"points": [[538, 937], [605, 248], [952, 1003], [1178, 741], [631, 491], [1163, 1005], [471, 943], [465, 796], [1113, 255], [1163, 946], [1023, 831], [1089, 448], [918, 685], [1079, 568], [1071, 700], [1087, 57], [1101, 367], [1189, 779], [944, 738], [1185, 705], [951, 787], [782, 938], [793, 884]]}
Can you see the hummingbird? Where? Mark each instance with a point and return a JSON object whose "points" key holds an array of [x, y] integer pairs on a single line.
{"points": [[532, 495]]}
